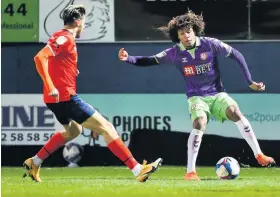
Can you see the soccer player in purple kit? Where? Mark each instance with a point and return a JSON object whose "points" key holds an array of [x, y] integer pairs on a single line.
{"points": [[193, 55]]}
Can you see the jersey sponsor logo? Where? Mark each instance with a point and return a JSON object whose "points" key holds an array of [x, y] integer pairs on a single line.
{"points": [[203, 56], [191, 70], [203, 68]]}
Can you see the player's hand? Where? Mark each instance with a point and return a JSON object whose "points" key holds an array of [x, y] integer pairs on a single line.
{"points": [[123, 55], [55, 93], [257, 86]]}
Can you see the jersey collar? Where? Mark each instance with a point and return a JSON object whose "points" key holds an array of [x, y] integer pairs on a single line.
{"points": [[197, 43], [68, 32]]}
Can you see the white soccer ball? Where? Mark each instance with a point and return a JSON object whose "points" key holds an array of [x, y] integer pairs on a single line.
{"points": [[227, 168], [73, 152]]}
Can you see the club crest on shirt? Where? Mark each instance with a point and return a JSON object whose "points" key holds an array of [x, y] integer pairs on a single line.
{"points": [[203, 56]]}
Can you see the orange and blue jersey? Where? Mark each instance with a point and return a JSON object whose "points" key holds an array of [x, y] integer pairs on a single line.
{"points": [[62, 65]]}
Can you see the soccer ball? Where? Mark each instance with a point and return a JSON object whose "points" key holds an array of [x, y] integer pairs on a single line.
{"points": [[227, 168], [73, 152]]}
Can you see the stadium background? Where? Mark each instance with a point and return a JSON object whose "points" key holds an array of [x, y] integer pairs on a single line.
{"points": [[146, 104]]}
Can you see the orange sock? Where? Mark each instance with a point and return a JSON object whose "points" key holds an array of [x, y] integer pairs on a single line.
{"points": [[122, 152], [56, 141]]}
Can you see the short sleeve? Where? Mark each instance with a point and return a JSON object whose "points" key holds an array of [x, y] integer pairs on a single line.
{"points": [[165, 57], [59, 44], [219, 47]]}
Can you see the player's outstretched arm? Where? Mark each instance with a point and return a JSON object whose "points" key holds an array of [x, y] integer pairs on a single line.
{"points": [[235, 54], [41, 61], [137, 60], [220, 47]]}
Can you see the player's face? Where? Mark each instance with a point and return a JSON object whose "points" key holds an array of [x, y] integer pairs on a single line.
{"points": [[81, 26], [186, 37]]}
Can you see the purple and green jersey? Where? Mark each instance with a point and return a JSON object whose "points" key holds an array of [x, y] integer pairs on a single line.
{"points": [[198, 66]]}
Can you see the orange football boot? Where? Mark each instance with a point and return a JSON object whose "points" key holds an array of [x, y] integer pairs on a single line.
{"points": [[148, 169], [265, 160], [32, 170], [191, 176]]}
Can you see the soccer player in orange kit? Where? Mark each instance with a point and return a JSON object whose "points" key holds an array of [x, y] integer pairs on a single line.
{"points": [[56, 63]]}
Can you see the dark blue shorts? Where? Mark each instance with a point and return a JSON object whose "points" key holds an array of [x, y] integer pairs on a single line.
{"points": [[74, 109]]}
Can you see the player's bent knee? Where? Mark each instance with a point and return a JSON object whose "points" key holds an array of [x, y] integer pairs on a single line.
{"points": [[94, 121], [107, 128], [108, 131], [99, 124], [200, 123], [233, 113], [72, 130]]}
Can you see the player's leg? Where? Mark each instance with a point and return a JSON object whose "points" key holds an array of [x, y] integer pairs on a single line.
{"points": [[199, 111], [72, 130], [91, 119], [228, 109]]}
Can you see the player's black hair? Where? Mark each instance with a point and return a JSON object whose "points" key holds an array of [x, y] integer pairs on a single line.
{"points": [[188, 20], [72, 13]]}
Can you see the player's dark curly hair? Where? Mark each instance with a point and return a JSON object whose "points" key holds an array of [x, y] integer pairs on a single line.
{"points": [[188, 20], [72, 13]]}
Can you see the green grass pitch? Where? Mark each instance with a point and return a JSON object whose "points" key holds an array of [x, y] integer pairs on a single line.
{"points": [[119, 181]]}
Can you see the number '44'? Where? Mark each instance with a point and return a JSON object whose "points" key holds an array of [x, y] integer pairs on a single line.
{"points": [[20, 10]]}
